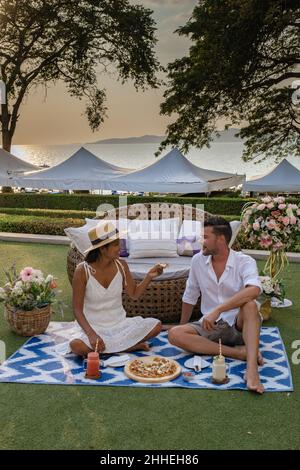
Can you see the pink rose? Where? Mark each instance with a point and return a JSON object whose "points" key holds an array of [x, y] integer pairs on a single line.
{"points": [[271, 224], [261, 207], [256, 226], [265, 242], [26, 274], [275, 213], [277, 246], [279, 199], [285, 221], [293, 220], [298, 211], [270, 205], [282, 206]]}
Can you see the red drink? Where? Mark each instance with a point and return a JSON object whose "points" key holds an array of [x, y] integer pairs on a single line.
{"points": [[93, 365]]}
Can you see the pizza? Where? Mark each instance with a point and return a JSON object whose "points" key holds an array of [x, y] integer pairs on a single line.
{"points": [[154, 368]]}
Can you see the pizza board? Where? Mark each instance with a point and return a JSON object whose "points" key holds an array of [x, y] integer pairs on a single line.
{"points": [[151, 380]]}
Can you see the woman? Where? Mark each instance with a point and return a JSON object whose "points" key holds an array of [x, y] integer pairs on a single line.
{"points": [[101, 321]]}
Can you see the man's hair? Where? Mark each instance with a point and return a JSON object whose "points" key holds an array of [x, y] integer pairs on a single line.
{"points": [[219, 226]]}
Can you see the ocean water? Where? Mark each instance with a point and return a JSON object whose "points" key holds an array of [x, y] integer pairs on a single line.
{"points": [[220, 156]]}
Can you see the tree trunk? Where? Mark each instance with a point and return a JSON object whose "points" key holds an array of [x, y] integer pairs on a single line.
{"points": [[6, 139]]}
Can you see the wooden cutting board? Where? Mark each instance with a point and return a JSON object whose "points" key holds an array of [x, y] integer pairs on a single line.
{"points": [[151, 380]]}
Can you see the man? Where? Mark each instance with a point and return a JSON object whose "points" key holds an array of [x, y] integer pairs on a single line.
{"points": [[228, 282]]}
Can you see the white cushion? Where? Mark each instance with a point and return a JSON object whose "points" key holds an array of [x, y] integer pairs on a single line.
{"points": [[235, 227], [79, 235], [176, 267], [153, 238]]}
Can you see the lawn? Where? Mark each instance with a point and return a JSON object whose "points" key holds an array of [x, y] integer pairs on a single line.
{"points": [[70, 417]]}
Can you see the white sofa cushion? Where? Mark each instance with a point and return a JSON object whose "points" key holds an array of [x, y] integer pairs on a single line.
{"points": [[176, 267], [79, 235], [153, 238], [235, 227]]}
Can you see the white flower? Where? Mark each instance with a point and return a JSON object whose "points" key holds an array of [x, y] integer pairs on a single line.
{"points": [[49, 278], [268, 288], [17, 291], [279, 199], [37, 274], [19, 284], [2, 293], [266, 199]]}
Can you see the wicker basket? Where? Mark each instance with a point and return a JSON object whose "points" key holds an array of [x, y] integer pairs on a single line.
{"points": [[28, 323], [162, 299]]}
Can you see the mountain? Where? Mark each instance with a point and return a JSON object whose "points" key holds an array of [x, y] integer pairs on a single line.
{"points": [[145, 139], [228, 136], [225, 136]]}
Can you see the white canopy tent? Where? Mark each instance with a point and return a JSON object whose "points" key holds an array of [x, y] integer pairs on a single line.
{"points": [[83, 170], [174, 173], [10, 164], [284, 178]]}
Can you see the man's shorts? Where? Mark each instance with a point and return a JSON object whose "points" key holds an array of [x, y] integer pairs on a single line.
{"points": [[230, 335]]}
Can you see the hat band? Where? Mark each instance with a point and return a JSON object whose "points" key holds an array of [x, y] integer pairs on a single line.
{"points": [[105, 237]]}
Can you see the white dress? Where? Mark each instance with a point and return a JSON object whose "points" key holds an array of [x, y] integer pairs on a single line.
{"points": [[105, 313]]}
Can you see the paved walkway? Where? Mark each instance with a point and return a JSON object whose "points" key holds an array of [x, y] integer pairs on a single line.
{"points": [[63, 240]]}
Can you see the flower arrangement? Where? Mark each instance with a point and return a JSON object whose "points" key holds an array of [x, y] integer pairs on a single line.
{"points": [[272, 224], [29, 289], [272, 287]]}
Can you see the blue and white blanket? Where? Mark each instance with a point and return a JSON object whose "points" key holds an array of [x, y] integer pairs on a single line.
{"points": [[38, 362]]}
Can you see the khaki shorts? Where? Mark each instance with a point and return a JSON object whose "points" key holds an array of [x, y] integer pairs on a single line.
{"points": [[230, 335]]}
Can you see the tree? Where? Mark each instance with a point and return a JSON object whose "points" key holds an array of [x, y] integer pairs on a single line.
{"points": [[243, 58], [43, 41]]}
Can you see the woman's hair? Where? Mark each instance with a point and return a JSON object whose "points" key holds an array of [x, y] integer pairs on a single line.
{"points": [[93, 255]]}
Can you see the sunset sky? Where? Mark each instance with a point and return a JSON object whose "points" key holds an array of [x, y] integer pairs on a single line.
{"points": [[55, 118]]}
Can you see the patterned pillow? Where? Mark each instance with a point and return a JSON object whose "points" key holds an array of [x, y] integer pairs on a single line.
{"points": [[190, 238]]}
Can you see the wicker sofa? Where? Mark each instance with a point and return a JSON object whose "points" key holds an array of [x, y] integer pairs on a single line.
{"points": [[162, 298]]}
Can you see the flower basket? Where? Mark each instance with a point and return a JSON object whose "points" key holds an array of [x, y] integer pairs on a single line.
{"points": [[28, 323], [28, 298]]}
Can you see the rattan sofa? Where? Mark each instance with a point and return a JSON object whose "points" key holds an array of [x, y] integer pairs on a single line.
{"points": [[163, 298]]}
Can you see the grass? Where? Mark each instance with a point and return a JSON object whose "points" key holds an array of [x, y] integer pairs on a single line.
{"points": [[70, 417]]}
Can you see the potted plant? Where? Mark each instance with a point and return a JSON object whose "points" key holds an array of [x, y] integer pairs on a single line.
{"points": [[28, 297], [271, 288]]}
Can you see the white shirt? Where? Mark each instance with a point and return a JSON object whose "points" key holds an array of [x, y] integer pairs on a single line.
{"points": [[240, 271]]}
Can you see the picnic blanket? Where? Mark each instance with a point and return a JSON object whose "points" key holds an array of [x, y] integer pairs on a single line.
{"points": [[38, 361]]}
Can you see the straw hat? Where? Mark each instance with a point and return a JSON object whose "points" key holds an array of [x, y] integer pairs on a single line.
{"points": [[105, 232]]}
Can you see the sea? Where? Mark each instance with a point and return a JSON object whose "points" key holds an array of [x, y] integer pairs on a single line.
{"points": [[223, 156]]}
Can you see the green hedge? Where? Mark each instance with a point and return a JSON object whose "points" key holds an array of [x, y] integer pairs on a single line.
{"points": [[64, 214], [90, 202], [36, 225]]}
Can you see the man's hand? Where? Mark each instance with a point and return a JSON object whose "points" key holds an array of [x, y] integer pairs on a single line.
{"points": [[209, 320], [93, 337]]}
